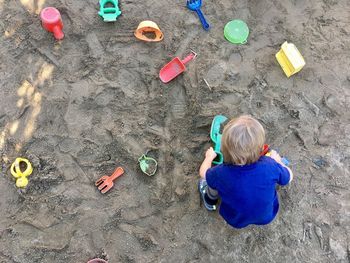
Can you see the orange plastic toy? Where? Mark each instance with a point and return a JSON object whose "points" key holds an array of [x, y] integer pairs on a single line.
{"points": [[148, 31], [105, 183]]}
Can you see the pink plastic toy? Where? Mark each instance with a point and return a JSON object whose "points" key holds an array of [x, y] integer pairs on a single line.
{"points": [[52, 21]]}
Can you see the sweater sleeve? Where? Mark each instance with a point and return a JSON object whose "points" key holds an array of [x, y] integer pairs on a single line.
{"points": [[283, 175], [211, 177]]}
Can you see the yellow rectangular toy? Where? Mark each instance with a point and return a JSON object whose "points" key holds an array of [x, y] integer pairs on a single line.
{"points": [[290, 59]]}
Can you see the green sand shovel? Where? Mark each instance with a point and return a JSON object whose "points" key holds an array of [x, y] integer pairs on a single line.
{"points": [[148, 165], [215, 135]]}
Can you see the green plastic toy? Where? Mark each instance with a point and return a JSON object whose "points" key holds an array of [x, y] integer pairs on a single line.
{"points": [[148, 165], [109, 13], [215, 135], [236, 31]]}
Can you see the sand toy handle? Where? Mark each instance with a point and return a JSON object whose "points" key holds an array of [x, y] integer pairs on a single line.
{"points": [[188, 58], [57, 32], [202, 19], [219, 159], [118, 172], [217, 144]]}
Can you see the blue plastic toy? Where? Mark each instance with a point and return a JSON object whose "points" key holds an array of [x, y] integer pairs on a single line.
{"points": [[285, 161], [195, 5], [109, 13], [215, 136]]}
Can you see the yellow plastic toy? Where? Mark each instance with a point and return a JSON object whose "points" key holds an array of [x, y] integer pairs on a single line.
{"points": [[290, 59], [22, 182], [21, 177]]}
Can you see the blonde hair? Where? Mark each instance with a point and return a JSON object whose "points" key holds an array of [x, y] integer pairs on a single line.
{"points": [[242, 140]]}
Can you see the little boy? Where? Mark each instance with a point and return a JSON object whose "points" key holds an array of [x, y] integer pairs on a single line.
{"points": [[246, 181]]}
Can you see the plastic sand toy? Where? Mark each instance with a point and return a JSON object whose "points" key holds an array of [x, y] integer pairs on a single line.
{"points": [[21, 176], [236, 32], [267, 152], [215, 136], [109, 10], [51, 20], [148, 165], [174, 68], [148, 31], [105, 183], [290, 59], [195, 5]]}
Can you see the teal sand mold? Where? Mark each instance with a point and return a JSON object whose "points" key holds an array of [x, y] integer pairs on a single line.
{"points": [[109, 10]]}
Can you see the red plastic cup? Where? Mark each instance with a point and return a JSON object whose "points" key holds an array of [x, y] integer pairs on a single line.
{"points": [[52, 21]]}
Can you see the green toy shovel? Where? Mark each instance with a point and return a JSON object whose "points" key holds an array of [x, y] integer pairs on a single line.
{"points": [[215, 136]]}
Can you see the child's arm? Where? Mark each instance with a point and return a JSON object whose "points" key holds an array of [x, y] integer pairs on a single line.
{"points": [[210, 155], [274, 155]]}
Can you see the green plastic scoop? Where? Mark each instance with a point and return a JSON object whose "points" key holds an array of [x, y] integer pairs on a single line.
{"points": [[148, 165], [215, 136]]}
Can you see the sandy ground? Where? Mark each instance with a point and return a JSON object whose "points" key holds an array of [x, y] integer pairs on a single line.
{"points": [[79, 108]]}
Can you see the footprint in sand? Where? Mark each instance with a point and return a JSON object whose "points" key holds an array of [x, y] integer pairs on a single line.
{"points": [[178, 107]]}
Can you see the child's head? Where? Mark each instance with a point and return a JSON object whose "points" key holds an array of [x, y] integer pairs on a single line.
{"points": [[242, 140]]}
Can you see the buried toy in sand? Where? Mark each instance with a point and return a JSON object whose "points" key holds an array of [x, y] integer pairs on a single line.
{"points": [[20, 169], [148, 165], [97, 260]]}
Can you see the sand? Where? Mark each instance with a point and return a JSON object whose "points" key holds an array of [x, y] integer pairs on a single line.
{"points": [[80, 107]]}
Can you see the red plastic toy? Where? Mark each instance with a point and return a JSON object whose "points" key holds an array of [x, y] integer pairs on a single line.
{"points": [[105, 183], [52, 21], [174, 68], [266, 149]]}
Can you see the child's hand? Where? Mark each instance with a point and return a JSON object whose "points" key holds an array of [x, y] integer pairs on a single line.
{"points": [[274, 155], [210, 154], [209, 157]]}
